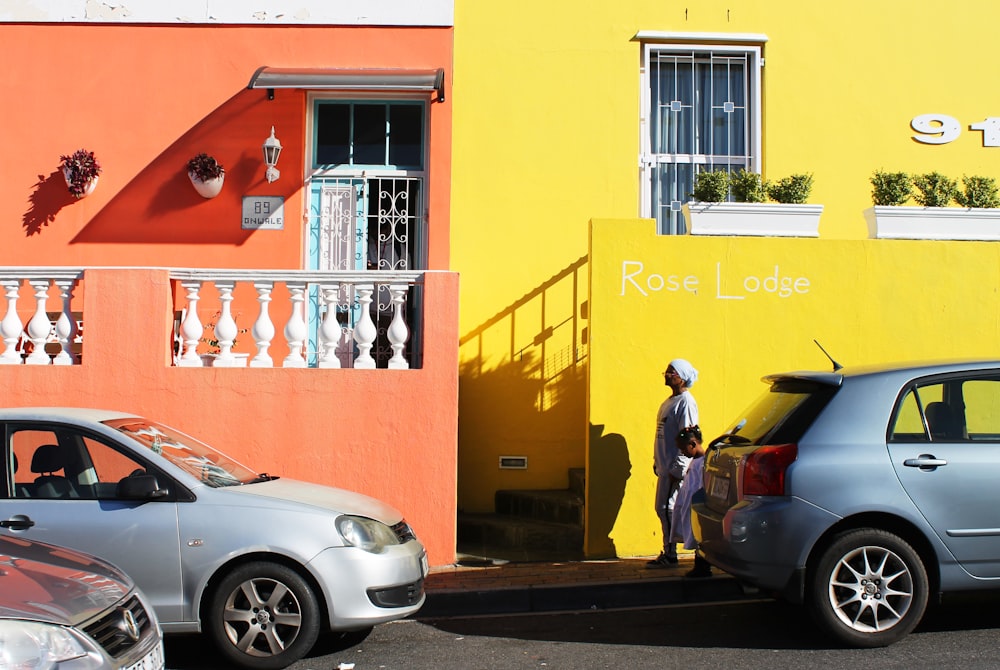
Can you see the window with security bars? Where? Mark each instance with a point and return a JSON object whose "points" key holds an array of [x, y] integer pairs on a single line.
{"points": [[703, 113], [368, 207]]}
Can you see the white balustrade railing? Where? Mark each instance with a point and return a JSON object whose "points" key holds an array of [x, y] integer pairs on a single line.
{"points": [[364, 318], [26, 343]]}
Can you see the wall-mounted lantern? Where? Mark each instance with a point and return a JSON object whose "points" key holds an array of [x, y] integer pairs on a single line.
{"points": [[272, 149]]}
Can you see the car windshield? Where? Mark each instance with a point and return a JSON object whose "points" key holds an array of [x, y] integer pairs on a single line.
{"points": [[194, 457], [781, 414]]}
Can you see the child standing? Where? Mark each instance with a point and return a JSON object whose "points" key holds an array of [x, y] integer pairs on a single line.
{"points": [[689, 443]]}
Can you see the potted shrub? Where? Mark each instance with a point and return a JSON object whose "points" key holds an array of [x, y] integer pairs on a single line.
{"points": [[979, 192], [748, 187], [891, 189], [978, 218], [81, 170], [934, 190], [206, 174], [711, 186], [792, 190], [750, 214]]}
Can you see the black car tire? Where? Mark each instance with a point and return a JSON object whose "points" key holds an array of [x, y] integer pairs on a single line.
{"points": [[850, 596], [263, 616]]}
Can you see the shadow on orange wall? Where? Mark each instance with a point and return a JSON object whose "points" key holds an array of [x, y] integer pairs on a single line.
{"points": [[49, 196], [160, 206]]}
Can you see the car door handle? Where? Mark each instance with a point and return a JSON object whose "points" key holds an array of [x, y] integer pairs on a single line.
{"points": [[17, 522], [924, 461]]}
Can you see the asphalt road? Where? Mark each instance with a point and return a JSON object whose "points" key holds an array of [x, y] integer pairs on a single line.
{"points": [[767, 635]]}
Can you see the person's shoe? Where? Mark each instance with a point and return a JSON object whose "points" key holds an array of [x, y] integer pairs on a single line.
{"points": [[662, 561], [698, 573]]}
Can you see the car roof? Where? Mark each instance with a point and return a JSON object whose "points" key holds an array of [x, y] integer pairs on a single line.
{"points": [[61, 414], [910, 368]]}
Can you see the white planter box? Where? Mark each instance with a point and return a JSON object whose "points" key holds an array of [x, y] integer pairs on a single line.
{"points": [[933, 223], [752, 218]]}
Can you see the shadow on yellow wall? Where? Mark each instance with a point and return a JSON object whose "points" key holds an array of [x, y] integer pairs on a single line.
{"points": [[522, 392], [609, 455]]}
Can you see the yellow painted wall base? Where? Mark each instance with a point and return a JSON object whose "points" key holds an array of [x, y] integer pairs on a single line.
{"points": [[742, 307]]}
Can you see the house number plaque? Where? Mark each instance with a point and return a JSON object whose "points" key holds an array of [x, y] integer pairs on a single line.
{"points": [[263, 212]]}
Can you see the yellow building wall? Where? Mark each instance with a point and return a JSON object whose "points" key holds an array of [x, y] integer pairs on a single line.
{"points": [[739, 308], [547, 137]]}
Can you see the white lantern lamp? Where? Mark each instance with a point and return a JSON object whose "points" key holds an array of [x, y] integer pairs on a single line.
{"points": [[272, 149]]}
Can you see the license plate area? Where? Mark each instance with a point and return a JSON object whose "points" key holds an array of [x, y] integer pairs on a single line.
{"points": [[151, 661], [718, 486]]}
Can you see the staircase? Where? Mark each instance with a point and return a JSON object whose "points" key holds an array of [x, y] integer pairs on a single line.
{"points": [[540, 525]]}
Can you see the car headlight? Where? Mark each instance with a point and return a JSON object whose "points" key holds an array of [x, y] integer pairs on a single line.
{"points": [[366, 534], [30, 644]]}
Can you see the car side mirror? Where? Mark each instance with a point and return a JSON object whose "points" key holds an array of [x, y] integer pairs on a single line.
{"points": [[140, 487]]}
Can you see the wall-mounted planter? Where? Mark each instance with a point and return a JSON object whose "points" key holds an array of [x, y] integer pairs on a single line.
{"points": [[752, 218], [207, 189], [933, 223], [86, 189]]}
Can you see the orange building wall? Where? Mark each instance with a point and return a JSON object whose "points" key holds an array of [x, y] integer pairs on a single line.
{"points": [[390, 434], [145, 99]]}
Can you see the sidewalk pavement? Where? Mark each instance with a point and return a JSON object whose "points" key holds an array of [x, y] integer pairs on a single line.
{"points": [[487, 588]]}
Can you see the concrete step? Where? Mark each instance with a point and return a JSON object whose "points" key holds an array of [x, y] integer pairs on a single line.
{"points": [[511, 538], [561, 506]]}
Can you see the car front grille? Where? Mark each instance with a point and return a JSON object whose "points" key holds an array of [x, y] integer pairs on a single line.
{"points": [[397, 596], [121, 628], [403, 532]]}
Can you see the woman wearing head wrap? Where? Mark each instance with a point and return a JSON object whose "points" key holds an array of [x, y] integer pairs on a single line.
{"points": [[669, 464]]}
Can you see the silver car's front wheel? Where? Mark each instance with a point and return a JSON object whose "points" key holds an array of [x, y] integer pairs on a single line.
{"points": [[264, 616], [869, 588]]}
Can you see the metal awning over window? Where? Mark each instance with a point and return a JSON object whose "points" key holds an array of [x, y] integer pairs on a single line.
{"points": [[332, 79]]}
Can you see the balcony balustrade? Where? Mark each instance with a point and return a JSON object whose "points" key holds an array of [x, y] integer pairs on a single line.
{"points": [[335, 319]]}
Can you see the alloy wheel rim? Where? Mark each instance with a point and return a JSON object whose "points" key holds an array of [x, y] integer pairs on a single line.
{"points": [[262, 617], [871, 589]]}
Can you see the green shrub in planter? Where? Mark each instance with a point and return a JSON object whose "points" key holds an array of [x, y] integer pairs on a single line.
{"points": [[934, 190], [979, 192], [792, 190], [891, 189], [748, 187], [711, 186]]}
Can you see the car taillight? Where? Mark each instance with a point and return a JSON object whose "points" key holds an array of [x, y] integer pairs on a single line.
{"points": [[763, 470]]}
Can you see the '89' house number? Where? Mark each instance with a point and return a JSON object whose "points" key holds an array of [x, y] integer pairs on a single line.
{"points": [[942, 129]]}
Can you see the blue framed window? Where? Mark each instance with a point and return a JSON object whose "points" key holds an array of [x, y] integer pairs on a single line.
{"points": [[372, 133]]}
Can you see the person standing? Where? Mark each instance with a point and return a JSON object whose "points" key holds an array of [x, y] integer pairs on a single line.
{"points": [[689, 443], [669, 464]]}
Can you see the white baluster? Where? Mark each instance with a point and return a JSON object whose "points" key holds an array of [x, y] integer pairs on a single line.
{"points": [[295, 330], [11, 326], [263, 328], [225, 327], [364, 330], [330, 332], [398, 333], [39, 327], [66, 328], [191, 329]]}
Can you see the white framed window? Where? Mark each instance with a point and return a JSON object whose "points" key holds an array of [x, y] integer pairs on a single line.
{"points": [[701, 110]]}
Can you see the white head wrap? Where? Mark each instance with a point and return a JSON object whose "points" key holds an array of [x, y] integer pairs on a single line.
{"points": [[685, 371]]}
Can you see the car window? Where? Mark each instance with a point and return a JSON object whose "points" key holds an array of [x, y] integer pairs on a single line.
{"points": [[64, 464], [955, 410], [782, 413], [982, 409], [209, 466]]}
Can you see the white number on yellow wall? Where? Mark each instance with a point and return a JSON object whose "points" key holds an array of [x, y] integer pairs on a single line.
{"points": [[942, 129]]}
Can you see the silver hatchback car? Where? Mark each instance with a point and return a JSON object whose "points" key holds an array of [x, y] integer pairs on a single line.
{"points": [[860, 492], [63, 609], [261, 564]]}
